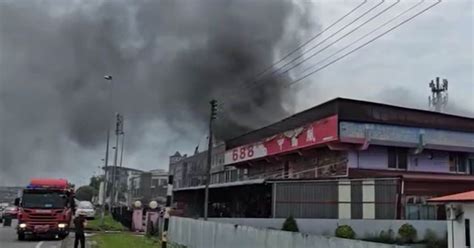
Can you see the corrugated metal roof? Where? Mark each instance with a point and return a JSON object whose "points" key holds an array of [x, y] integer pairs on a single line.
{"points": [[461, 197], [360, 111]]}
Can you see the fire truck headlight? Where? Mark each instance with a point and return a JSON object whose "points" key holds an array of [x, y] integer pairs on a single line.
{"points": [[22, 225], [62, 225]]}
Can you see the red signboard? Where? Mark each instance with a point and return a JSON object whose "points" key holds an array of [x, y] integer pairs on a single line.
{"points": [[314, 133]]}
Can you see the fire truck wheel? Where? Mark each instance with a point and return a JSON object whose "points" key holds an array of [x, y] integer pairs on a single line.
{"points": [[62, 236], [21, 236]]}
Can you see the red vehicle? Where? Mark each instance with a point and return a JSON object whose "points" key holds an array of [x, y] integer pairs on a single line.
{"points": [[11, 212], [45, 208]]}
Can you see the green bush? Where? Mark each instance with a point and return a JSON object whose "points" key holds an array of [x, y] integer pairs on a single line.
{"points": [[407, 233], [290, 225], [432, 240], [345, 231]]}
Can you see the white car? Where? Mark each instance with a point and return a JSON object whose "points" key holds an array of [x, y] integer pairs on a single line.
{"points": [[86, 208]]}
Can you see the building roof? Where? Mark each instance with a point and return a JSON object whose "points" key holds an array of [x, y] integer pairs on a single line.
{"points": [[461, 197], [110, 167], [417, 176], [360, 111]]}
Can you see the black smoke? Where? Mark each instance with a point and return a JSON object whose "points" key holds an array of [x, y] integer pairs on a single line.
{"points": [[168, 59]]}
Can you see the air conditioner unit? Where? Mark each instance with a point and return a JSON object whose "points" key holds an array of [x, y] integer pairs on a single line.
{"points": [[454, 212]]}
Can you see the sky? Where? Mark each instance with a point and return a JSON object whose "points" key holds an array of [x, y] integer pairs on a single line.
{"points": [[168, 58]]}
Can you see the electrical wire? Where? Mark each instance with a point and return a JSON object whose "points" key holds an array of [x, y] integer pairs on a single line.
{"points": [[255, 82], [256, 77], [309, 41], [340, 38], [364, 44], [327, 38], [366, 35]]}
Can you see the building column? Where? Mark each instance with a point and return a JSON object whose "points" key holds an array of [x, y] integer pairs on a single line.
{"points": [[368, 199], [274, 196], [344, 199]]}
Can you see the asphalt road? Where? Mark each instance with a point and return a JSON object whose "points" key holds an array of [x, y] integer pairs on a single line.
{"points": [[8, 239]]}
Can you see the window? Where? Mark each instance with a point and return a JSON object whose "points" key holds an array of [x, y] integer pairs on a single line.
{"points": [[397, 158], [286, 169], [416, 208], [457, 162], [468, 230], [154, 183], [227, 176], [233, 175], [471, 166]]}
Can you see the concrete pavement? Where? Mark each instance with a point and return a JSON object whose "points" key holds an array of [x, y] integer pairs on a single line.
{"points": [[69, 241], [8, 239]]}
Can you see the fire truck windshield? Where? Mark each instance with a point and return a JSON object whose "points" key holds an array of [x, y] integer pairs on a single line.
{"points": [[43, 200]]}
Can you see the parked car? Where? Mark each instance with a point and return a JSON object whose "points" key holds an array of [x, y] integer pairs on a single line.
{"points": [[11, 212], [2, 209], [86, 208]]}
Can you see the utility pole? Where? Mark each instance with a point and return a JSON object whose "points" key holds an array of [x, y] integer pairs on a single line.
{"points": [[104, 193], [123, 143], [118, 131], [209, 156], [439, 95], [109, 97], [166, 216]]}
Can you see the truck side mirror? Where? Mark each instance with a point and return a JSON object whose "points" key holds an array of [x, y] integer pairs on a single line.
{"points": [[17, 202]]}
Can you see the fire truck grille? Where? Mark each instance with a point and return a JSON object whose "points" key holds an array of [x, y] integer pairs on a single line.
{"points": [[42, 218]]}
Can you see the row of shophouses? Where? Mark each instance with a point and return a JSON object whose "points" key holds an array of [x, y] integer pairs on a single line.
{"points": [[341, 159], [138, 185]]}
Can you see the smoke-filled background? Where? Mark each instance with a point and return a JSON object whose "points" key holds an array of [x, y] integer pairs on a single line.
{"points": [[169, 58]]}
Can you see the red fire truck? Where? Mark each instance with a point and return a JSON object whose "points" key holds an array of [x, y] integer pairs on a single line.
{"points": [[45, 208]]}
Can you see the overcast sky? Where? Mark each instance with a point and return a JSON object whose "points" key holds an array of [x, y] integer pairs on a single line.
{"points": [[394, 69]]}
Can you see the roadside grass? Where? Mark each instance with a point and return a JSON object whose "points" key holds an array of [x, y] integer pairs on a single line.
{"points": [[126, 240], [109, 224]]}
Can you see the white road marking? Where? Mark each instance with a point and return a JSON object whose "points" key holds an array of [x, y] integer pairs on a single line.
{"points": [[39, 244]]}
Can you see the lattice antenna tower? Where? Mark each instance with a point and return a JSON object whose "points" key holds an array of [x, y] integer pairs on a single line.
{"points": [[439, 95]]}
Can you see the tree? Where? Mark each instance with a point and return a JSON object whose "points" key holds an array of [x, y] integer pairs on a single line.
{"points": [[85, 193], [95, 182], [290, 225]]}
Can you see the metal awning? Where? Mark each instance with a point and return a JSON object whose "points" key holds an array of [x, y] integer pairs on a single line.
{"points": [[225, 185]]}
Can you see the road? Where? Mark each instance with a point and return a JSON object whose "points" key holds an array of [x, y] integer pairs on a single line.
{"points": [[8, 239]]}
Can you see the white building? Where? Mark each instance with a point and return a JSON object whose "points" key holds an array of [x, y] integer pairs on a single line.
{"points": [[459, 214], [148, 186]]}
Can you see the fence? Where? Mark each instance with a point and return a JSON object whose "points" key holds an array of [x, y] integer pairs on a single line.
{"points": [[123, 215], [209, 234], [363, 228]]}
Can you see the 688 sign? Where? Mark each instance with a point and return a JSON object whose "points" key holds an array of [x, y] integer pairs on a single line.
{"points": [[244, 153]]}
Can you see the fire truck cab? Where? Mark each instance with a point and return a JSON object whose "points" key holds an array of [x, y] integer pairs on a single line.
{"points": [[45, 208]]}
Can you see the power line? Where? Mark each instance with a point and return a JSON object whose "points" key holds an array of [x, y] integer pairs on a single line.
{"points": [[256, 77], [309, 41], [340, 38], [329, 37], [256, 82], [366, 35], [363, 45]]}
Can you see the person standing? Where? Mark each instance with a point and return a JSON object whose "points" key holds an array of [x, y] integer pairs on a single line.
{"points": [[79, 223]]}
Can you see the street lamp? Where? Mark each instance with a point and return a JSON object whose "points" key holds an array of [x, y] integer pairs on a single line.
{"points": [[106, 160]]}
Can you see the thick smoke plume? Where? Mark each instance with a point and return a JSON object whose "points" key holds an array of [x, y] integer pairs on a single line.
{"points": [[168, 59]]}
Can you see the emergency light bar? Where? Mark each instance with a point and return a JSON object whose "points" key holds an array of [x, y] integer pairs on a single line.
{"points": [[48, 184]]}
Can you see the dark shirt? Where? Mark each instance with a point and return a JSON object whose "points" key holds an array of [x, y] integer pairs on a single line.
{"points": [[79, 224]]}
